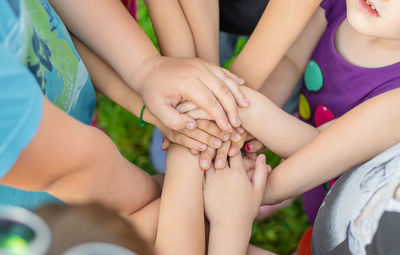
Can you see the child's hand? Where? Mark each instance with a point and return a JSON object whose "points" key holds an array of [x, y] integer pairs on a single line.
{"points": [[231, 148], [163, 82], [231, 200], [252, 146], [207, 134]]}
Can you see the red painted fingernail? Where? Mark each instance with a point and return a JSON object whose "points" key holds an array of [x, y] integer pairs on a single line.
{"points": [[248, 147]]}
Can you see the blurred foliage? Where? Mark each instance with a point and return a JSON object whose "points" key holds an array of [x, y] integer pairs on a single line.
{"points": [[279, 234]]}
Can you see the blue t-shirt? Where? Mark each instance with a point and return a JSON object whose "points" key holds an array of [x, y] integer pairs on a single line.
{"points": [[37, 58]]}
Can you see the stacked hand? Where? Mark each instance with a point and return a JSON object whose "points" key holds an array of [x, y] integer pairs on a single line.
{"points": [[230, 144], [163, 82], [231, 202]]}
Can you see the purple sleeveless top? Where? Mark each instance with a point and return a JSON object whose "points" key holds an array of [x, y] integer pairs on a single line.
{"points": [[332, 86]]}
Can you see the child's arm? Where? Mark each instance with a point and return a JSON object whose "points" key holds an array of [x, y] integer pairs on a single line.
{"points": [[78, 163], [356, 137], [171, 28], [203, 19], [231, 203], [108, 29], [181, 216], [108, 82], [186, 28], [281, 23], [286, 75], [279, 131]]}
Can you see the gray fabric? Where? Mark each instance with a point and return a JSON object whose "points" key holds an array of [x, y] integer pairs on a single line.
{"points": [[352, 209]]}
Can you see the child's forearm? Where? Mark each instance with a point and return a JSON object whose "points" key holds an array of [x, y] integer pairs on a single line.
{"points": [[171, 27], [282, 133], [78, 164], [203, 19], [281, 23], [109, 83], [224, 240], [356, 137], [181, 219], [282, 81], [107, 28]]}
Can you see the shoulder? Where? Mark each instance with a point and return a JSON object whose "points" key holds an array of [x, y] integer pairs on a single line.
{"points": [[333, 8]]}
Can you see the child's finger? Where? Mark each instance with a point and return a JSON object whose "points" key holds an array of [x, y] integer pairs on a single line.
{"points": [[194, 152], [236, 136], [254, 146], [189, 142], [249, 164], [171, 118], [224, 96], [233, 76], [211, 128], [210, 173], [234, 149], [165, 143], [203, 137], [205, 96], [236, 162], [199, 114], [186, 107], [206, 157], [251, 155], [232, 84], [222, 156], [259, 179]]}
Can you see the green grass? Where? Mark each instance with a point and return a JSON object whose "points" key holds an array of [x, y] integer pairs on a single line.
{"points": [[278, 234]]}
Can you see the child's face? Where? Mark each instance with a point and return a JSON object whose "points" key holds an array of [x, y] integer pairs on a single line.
{"points": [[376, 18]]}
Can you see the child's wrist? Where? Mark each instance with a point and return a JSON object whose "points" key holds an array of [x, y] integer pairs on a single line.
{"points": [[236, 239], [231, 226], [141, 74]]}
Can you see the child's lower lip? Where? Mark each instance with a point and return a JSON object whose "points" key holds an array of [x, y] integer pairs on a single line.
{"points": [[368, 8]]}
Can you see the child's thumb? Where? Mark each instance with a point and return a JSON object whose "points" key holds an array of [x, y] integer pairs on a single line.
{"points": [[171, 118], [261, 171]]}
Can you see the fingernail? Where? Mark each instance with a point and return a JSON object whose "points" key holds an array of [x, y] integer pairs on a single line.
{"points": [[247, 101], [241, 80], [248, 147], [238, 122], [232, 151], [269, 169], [217, 143], [190, 125], [218, 163], [203, 147], [193, 151], [240, 130], [230, 129], [204, 164], [262, 157], [237, 137], [225, 138]]}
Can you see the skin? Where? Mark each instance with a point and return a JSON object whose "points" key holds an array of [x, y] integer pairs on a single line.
{"points": [[136, 59], [108, 82], [184, 200], [272, 37], [78, 173], [175, 24]]}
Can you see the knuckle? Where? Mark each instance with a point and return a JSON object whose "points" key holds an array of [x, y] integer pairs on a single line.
{"points": [[211, 102]]}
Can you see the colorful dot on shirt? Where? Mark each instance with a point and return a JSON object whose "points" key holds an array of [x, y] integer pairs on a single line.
{"points": [[304, 107], [322, 115], [313, 77]]}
